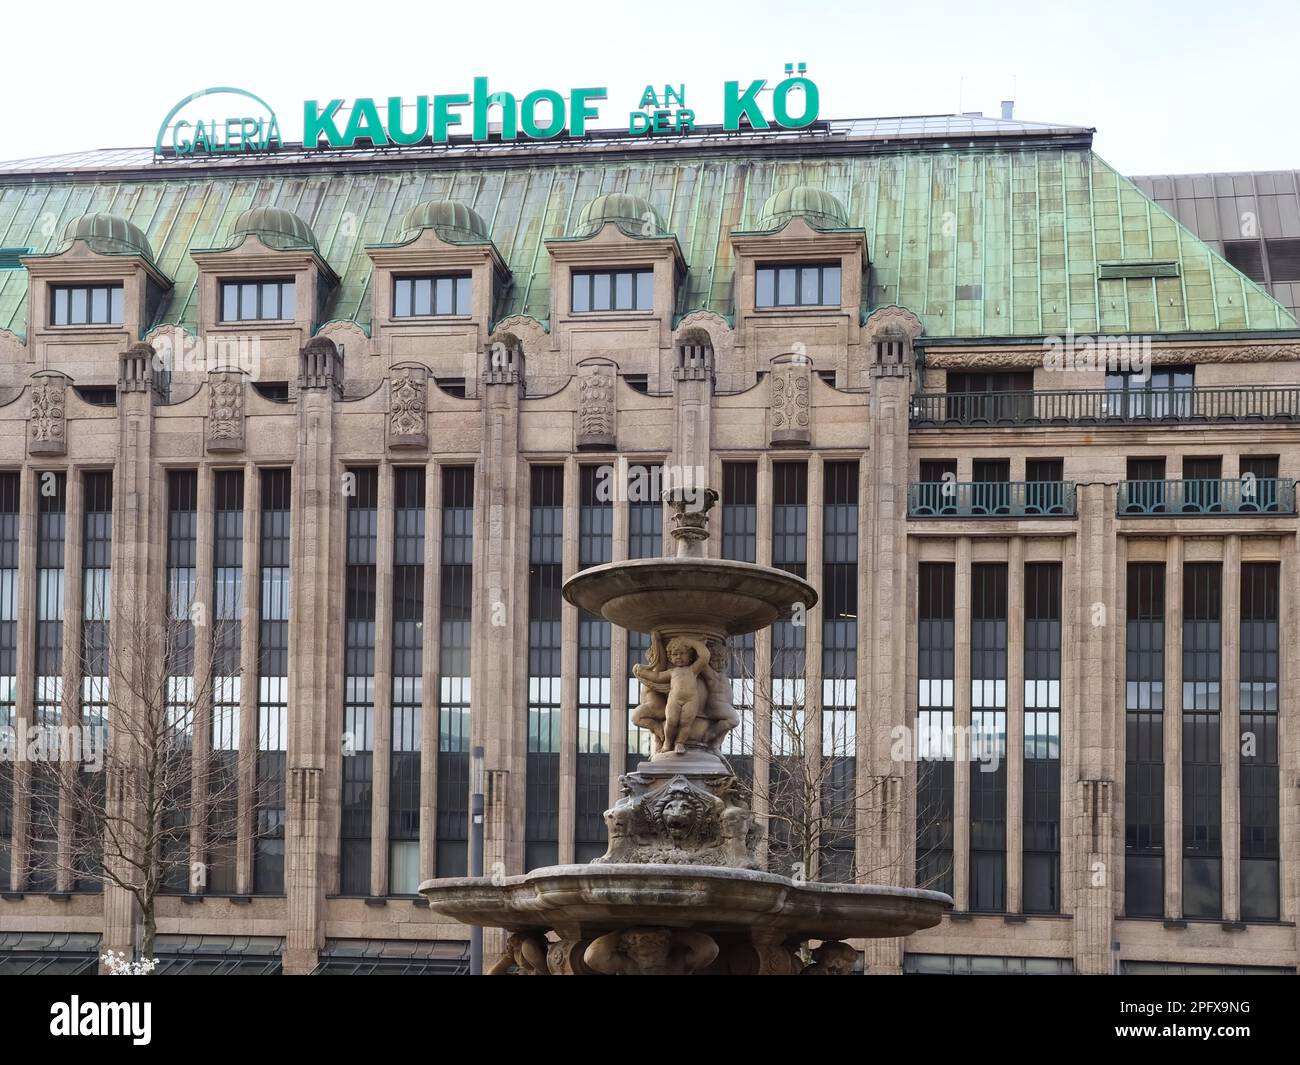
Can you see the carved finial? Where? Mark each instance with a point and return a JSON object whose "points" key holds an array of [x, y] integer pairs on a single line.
{"points": [[690, 505]]}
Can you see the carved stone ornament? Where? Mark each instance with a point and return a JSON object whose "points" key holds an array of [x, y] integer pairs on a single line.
{"points": [[1029, 357], [525, 952], [832, 959], [225, 411], [789, 418], [596, 405], [680, 820], [408, 393], [651, 952], [47, 425]]}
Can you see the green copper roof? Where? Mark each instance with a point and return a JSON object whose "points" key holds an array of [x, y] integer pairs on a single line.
{"points": [[999, 242], [634, 215], [452, 221], [275, 227], [817, 207], [107, 234]]}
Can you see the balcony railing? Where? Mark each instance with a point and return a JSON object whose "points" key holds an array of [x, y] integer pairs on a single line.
{"points": [[1249, 495], [990, 499], [1106, 407]]}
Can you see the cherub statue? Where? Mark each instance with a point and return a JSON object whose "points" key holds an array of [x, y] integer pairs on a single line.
{"points": [[722, 716], [651, 952], [832, 958], [527, 952], [650, 712], [686, 694]]}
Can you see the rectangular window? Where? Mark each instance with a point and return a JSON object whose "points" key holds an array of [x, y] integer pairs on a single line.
{"points": [[272, 684], [988, 786], [406, 734], [595, 547], [1260, 700], [740, 511], [228, 612], [612, 290], [839, 670], [432, 296], [1164, 392], [1144, 776], [86, 304], [51, 519], [1202, 670], [936, 632], [1042, 771], [359, 679], [645, 512], [797, 285], [182, 571], [455, 599], [258, 301], [545, 576], [10, 494]]}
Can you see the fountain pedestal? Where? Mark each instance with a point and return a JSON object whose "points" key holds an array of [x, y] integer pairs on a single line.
{"points": [[679, 891]]}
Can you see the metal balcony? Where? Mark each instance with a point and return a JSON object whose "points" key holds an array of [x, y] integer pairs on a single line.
{"points": [[1106, 407], [990, 499], [1260, 496]]}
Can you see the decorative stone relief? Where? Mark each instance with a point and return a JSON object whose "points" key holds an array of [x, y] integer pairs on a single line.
{"points": [[790, 378], [225, 429], [47, 426], [1032, 357], [679, 820], [651, 952], [408, 396], [596, 407]]}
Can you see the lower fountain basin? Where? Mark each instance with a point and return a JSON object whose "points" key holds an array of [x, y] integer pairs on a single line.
{"points": [[589, 900]]}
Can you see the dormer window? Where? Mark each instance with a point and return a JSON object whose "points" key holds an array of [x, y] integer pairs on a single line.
{"points": [[258, 301], [797, 285], [86, 304], [612, 290], [441, 295]]}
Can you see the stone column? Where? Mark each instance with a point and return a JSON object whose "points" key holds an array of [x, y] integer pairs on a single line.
{"points": [[250, 684], [1230, 729], [25, 681], [203, 616], [569, 666], [692, 417], [137, 591], [315, 662], [961, 751], [431, 668], [761, 741], [1173, 723], [812, 701], [619, 666], [1015, 722], [887, 632], [73, 552], [1091, 605], [1289, 735]]}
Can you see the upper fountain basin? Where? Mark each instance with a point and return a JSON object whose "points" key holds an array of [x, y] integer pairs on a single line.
{"points": [[659, 593]]}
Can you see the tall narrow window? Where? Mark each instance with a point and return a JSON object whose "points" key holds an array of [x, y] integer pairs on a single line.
{"points": [[1202, 670], [787, 795], [838, 778], [10, 495], [988, 783], [936, 659], [545, 575], [646, 513], [51, 517], [408, 681], [455, 599], [1042, 774], [595, 547], [359, 679], [96, 595], [228, 606], [1260, 796], [1144, 775], [182, 579], [272, 684], [740, 542]]}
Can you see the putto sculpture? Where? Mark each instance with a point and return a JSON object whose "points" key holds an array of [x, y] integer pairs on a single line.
{"points": [[680, 890]]}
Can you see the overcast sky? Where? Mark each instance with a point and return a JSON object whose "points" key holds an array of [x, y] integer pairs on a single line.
{"points": [[1170, 86]]}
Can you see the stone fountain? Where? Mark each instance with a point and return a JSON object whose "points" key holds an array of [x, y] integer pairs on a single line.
{"points": [[680, 890]]}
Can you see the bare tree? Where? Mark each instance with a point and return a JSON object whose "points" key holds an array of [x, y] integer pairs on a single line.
{"points": [[815, 808], [138, 784]]}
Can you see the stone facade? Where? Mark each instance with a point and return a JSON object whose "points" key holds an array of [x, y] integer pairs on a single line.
{"points": [[694, 391]]}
